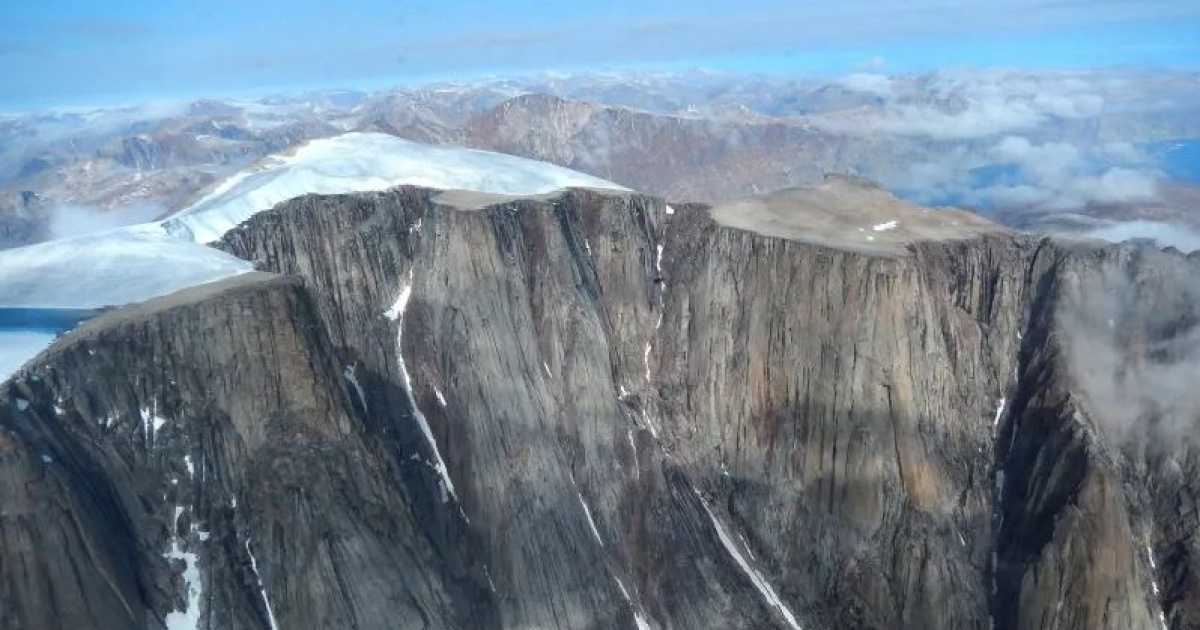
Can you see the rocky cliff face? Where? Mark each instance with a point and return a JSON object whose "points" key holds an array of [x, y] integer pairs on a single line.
{"points": [[591, 410]]}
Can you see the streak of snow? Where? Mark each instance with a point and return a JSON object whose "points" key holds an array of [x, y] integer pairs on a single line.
{"points": [[440, 398], [756, 578], [646, 360], [746, 546], [1162, 619], [624, 593], [488, 574], [588, 513], [350, 374], [638, 620], [999, 412], [187, 461], [396, 314], [547, 369], [649, 424], [883, 227], [637, 471], [261, 589]]}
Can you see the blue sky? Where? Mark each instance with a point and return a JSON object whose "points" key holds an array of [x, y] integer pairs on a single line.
{"points": [[80, 52]]}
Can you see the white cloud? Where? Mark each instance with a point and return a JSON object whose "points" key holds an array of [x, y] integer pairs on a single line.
{"points": [[1164, 234], [962, 104], [877, 84], [1046, 176]]}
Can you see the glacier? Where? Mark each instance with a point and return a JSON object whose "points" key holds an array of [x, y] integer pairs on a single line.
{"points": [[360, 162]]}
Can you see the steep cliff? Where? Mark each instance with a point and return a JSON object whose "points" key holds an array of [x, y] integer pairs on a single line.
{"points": [[195, 461], [821, 409]]}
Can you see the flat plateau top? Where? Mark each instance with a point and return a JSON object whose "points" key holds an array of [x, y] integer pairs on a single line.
{"points": [[847, 213]]}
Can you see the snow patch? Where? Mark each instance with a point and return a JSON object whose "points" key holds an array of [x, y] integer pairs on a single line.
{"points": [[670, 211], [756, 578], [22, 404], [189, 618], [884, 227], [151, 423], [440, 398], [397, 310]]}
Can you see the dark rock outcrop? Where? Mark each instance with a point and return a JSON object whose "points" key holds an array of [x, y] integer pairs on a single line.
{"points": [[589, 410]]}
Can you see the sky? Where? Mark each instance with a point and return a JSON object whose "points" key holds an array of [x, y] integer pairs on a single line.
{"points": [[94, 52]]}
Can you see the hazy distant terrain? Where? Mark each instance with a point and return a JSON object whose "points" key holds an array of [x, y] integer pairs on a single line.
{"points": [[1020, 143]]}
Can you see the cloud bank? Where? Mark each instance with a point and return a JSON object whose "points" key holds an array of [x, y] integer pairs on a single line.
{"points": [[1133, 345]]}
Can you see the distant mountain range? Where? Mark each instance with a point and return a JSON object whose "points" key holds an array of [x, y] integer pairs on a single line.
{"points": [[1004, 141]]}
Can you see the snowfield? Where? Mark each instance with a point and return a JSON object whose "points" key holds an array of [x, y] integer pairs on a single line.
{"points": [[139, 262], [114, 267], [360, 162]]}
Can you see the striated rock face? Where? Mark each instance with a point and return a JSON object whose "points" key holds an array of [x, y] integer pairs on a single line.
{"points": [[590, 410]]}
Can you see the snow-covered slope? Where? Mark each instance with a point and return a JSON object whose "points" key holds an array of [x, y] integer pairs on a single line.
{"points": [[357, 162], [109, 268]]}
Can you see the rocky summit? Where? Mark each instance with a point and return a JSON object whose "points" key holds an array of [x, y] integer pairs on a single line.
{"points": [[823, 409]]}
